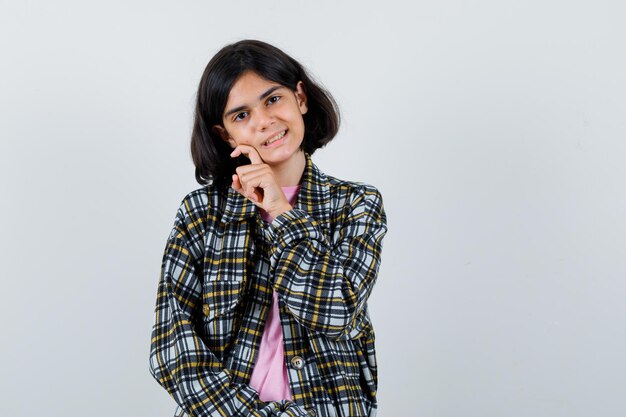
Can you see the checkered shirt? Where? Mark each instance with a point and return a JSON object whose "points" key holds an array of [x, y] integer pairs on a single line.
{"points": [[220, 265]]}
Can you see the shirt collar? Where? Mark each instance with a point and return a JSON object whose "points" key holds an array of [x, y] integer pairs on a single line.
{"points": [[313, 197]]}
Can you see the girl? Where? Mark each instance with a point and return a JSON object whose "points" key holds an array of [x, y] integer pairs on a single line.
{"points": [[262, 300]]}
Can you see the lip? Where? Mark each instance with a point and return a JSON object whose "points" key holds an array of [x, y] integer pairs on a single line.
{"points": [[278, 142]]}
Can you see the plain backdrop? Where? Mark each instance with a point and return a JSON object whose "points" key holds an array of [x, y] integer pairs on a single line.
{"points": [[495, 131]]}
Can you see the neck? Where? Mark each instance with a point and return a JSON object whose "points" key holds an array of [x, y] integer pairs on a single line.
{"points": [[290, 173]]}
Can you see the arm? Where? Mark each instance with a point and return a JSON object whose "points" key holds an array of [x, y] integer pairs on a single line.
{"points": [[179, 360], [326, 284]]}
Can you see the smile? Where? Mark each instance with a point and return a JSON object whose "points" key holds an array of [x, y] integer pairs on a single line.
{"points": [[275, 138]]}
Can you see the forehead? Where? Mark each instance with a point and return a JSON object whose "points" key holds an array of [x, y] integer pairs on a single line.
{"points": [[248, 88]]}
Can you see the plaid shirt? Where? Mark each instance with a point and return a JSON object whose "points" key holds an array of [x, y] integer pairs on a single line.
{"points": [[220, 264]]}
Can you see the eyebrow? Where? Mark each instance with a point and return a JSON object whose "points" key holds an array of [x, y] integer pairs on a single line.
{"points": [[261, 97]]}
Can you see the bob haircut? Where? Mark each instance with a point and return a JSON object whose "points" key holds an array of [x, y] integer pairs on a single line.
{"points": [[210, 153]]}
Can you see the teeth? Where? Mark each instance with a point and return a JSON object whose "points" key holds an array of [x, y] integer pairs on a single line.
{"points": [[275, 138]]}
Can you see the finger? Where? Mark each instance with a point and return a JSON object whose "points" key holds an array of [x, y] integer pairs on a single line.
{"points": [[248, 192], [236, 182], [249, 151], [257, 195], [250, 189], [257, 175], [253, 190], [259, 178], [254, 178], [247, 173]]}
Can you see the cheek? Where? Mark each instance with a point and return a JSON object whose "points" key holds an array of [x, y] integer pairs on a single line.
{"points": [[240, 136], [296, 118], [301, 123]]}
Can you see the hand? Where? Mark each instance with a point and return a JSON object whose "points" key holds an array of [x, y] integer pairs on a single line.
{"points": [[258, 183]]}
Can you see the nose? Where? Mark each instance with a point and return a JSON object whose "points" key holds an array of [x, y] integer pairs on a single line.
{"points": [[264, 119]]}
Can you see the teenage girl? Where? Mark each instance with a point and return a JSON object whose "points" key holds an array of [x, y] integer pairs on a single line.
{"points": [[262, 300]]}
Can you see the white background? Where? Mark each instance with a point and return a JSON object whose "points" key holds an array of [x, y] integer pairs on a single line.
{"points": [[494, 130]]}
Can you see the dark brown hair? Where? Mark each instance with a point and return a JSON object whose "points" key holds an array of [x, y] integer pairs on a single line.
{"points": [[210, 153]]}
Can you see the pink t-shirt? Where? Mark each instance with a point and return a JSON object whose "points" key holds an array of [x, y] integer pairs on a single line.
{"points": [[269, 376]]}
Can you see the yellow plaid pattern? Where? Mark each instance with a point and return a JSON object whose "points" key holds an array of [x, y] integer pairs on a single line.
{"points": [[220, 265]]}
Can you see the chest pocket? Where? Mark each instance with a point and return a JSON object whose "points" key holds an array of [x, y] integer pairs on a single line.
{"points": [[220, 297], [221, 302]]}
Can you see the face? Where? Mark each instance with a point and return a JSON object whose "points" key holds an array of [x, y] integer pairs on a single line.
{"points": [[265, 115]]}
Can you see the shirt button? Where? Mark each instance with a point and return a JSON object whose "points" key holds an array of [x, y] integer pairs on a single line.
{"points": [[311, 412], [297, 362], [205, 309]]}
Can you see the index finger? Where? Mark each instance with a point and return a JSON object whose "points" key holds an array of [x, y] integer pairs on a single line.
{"points": [[250, 152]]}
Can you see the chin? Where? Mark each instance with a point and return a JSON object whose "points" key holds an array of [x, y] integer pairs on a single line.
{"points": [[282, 155]]}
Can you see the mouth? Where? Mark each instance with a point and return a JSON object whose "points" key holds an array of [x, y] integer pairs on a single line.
{"points": [[275, 139]]}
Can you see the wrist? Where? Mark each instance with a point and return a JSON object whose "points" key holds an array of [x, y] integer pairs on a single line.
{"points": [[280, 210]]}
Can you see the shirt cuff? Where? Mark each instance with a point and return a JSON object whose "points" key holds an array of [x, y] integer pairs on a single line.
{"points": [[295, 225]]}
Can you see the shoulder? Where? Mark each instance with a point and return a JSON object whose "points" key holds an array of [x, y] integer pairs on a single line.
{"points": [[194, 203], [357, 209], [198, 210], [354, 194], [204, 202]]}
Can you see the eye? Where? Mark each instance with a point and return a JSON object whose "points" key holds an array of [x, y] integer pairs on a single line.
{"points": [[241, 116], [273, 99]]}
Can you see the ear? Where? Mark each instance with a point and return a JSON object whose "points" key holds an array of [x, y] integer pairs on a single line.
{"points": [[224, 135], [301, 97]]}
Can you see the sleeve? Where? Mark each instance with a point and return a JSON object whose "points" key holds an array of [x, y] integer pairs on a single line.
{"points": [[325, 285], [179, 359]]}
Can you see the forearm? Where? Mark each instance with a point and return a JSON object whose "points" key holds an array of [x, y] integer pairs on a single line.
{"points": [[326, 285]]}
